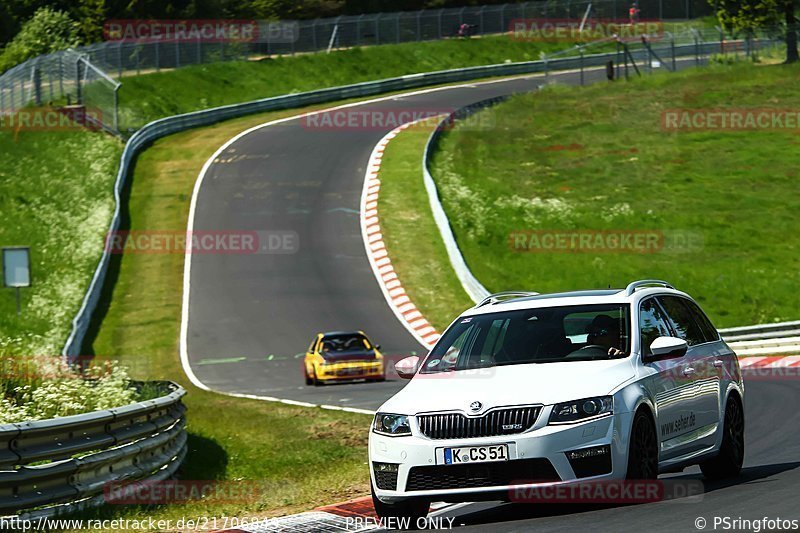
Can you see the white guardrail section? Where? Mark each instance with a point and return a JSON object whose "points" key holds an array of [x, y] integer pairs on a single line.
{"points": [[764, 339], [76, 459], [167, 126]]}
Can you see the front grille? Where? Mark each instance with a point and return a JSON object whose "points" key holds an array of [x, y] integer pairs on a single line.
{"points": [[477, 475], [507, 421]]}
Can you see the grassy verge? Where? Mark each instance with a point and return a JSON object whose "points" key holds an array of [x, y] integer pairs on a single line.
{"points": [[154, 95], [597, 159], [299, 457], [150, 96], [55, 197], [410, 233]]}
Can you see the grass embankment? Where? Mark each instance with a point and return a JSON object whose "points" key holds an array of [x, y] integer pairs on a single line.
{"points": [[411, 236], [150, 96], [299, 457], [597, 158], [55, 197]]}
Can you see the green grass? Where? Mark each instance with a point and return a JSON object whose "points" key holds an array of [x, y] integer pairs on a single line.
{"points": [[410, 233], [301, 457], [56, 197], [597, 158]]}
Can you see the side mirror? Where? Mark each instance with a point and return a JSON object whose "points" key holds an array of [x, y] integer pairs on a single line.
{"points": [[377, 346], [406, 368], [667, 348]]}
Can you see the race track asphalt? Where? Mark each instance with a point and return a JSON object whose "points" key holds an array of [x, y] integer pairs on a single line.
{"points": [[252, 316]]}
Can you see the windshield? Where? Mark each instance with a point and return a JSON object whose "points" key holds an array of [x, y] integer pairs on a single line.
{"points": [[346, 342], [545, 335]]}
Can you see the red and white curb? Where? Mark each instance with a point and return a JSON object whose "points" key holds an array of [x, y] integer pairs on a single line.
{"points": [[781, 361], [400, 303]]}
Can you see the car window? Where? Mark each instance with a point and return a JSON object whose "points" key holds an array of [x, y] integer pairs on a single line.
{"points": [[652, 324], [682, 320], [710, 333], [540, 335]]}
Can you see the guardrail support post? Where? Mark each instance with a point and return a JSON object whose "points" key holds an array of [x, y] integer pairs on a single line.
{"points": [[581, 53]]}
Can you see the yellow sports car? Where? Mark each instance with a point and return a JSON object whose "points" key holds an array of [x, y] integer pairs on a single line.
{"points": [[340, 355]]}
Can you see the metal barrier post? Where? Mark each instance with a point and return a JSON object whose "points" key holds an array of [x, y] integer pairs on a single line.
{"points": [[581, 53]]}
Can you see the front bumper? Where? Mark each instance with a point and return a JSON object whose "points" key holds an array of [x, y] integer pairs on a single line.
{"points": [[350, 370], [537, 457]]}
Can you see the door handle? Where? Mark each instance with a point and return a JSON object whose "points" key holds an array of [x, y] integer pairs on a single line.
{"points": [[689, 371]]}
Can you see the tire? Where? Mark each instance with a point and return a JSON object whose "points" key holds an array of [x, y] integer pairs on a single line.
{"points": [[406, 511], [309, 381], [314, 380], [728, 462], [643, 448]]}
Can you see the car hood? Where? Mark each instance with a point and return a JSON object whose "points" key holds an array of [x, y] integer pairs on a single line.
{"points": [[543, 383]]}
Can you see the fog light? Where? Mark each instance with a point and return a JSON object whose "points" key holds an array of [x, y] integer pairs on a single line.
{"points": [[385, 475], [587, 462], [386, 467]]}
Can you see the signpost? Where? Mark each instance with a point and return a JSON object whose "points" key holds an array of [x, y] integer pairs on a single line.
{"points": [[17, 269]]}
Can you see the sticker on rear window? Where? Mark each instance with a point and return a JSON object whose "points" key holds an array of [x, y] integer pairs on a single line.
{"points": [[466, 320]]}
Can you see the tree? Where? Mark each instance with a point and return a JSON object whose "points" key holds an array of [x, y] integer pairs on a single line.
{"points": [[47, 31], [750, 15]]}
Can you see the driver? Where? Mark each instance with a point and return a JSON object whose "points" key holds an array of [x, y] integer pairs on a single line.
{"points": [[604, 331]]}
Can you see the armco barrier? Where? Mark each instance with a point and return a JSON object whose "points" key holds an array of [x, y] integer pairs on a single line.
{"points": [[167, 126], [141, 441]]}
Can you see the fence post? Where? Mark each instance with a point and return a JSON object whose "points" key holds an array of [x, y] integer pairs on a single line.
{"points": [[199, 52], [60, 74], [672, 48], [119, 58], [377, 29], [78, 94], [158, 63], [481, 30], [116, 108], [503, 17], [419, 24], [37, 82], [177, 53], [439, 21], [397, 27]]}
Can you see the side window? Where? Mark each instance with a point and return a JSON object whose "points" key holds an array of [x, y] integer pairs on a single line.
{"points": [[710, 333], [682, 320], [652, 324]]}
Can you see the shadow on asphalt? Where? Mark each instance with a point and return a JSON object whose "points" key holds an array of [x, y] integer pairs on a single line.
{"points": [[510, 512]]}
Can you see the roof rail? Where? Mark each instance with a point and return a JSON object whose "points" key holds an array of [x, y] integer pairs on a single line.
{"points": [[505, 295], [631, 288]]}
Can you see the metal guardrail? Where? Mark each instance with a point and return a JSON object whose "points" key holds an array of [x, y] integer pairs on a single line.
{"points": [[167, 126], [83, 453], [761, 331]]}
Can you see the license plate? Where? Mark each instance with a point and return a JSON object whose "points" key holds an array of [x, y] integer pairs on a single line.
{"points": [[475, 454], [349, 371]]}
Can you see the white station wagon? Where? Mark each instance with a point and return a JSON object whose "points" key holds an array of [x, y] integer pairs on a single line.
{"points": [[532, 390]]}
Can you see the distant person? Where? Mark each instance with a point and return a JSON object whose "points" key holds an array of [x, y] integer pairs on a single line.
{"points": [[463, 30], [633, 13]]}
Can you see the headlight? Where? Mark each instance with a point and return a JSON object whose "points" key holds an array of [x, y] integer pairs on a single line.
{"points": [[391, 425], [580, 410]]}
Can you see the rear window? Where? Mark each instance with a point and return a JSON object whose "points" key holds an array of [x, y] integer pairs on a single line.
{"points": [[683, 320]]}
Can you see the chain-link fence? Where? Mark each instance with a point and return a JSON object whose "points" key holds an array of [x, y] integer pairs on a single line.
{"points": [[84, 75]]}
